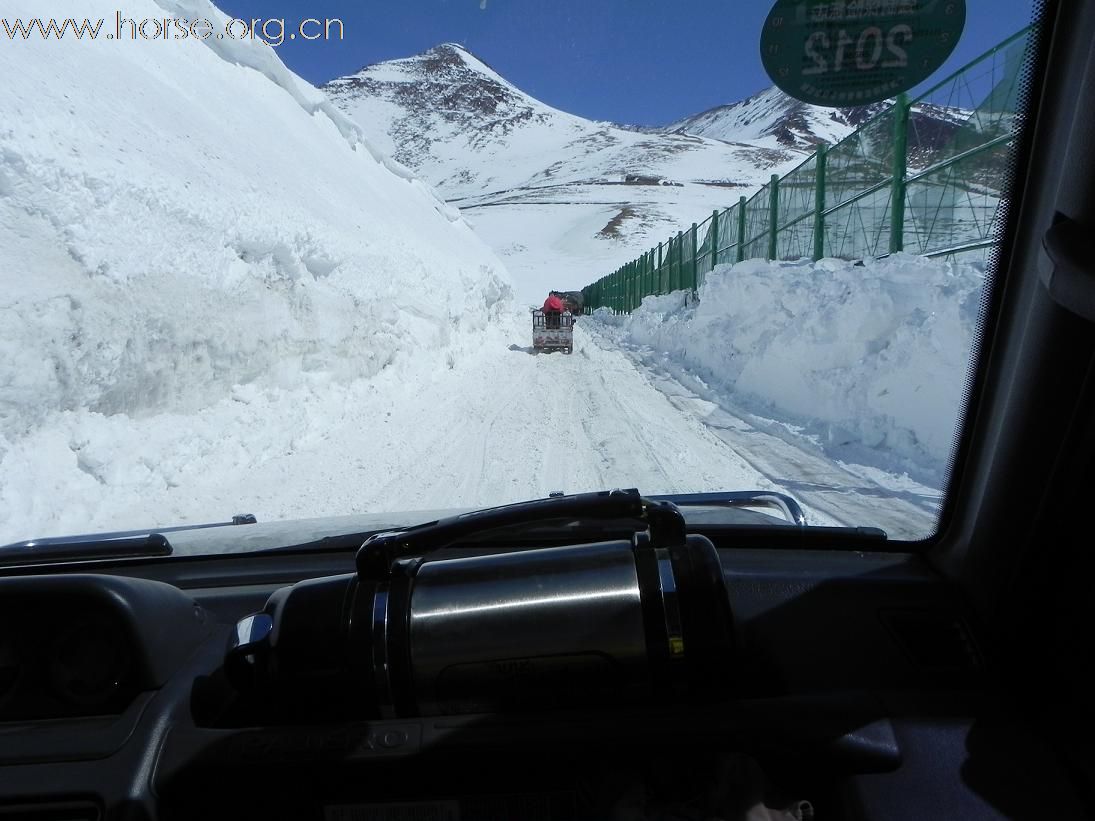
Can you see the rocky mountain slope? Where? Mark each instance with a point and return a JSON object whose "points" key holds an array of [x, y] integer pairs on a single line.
{"points": [[561, 198]]}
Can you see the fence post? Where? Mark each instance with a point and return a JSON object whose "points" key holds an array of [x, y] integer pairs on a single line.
{"points": [[667, 274], [773, 223], [667, 285], [633, 283], [657, 269], [819, 203], [675, 276], [663, 267], [900, 165], [630, 287], [695, 266], [671, 250], [714, 234], [633, 290], [681, 264], [636, 284], [741, 228], [626, 287]]}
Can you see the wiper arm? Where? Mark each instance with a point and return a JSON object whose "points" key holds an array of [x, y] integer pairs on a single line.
{"points": [[748, 498], [128, 544], [338, 542], [795, 534], [666, 526], [42, 551]]}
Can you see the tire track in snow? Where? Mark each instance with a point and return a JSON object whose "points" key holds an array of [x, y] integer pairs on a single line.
{"points": [[636, 431], [675, 453], [509, 425]]}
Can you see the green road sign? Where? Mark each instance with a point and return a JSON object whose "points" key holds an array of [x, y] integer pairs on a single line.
{"points": [[843, 53]]}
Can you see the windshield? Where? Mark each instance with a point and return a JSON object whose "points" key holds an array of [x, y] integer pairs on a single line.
{"points": [[359, 259]]}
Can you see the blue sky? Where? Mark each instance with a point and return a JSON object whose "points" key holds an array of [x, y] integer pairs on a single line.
{"points": [[643, 62]]}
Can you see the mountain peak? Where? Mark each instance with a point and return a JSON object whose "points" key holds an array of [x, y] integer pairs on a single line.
{"points": [[456, 56], [453, 52], [772, 114], [445, 60], [450, 46], [444, 91]]}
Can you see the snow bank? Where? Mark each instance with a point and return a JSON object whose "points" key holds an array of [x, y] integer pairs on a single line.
{"points": [[874, 355], [177, 218], [180, 218]]}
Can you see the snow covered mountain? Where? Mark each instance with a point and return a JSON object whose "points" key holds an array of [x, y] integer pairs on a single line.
{"points": [[561, 198], [448, 115], [773, 117], [564, 199], [218, 296]]}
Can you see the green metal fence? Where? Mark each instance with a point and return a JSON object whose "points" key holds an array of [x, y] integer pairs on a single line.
{"points": [[923, 176]]}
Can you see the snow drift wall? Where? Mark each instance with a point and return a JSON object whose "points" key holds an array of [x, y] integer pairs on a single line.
{"points": [[180, 217], [874, 354]]}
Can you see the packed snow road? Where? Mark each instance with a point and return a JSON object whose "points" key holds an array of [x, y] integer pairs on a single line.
{"points": [[503, 425], [520, 424], [831, 492], [495, 425]]}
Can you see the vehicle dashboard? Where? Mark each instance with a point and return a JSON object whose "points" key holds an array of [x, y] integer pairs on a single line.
{"points": [[855, 675]]}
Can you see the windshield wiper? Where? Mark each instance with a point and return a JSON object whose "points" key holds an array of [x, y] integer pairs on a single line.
{"points": [[747, 498], [555, 518], [794, 533], [664, 523], [562, 519], [336, 543], [128, 544]]}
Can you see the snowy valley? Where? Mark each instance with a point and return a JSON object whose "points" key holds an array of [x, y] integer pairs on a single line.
{"points": [[562, 199], [226, 291]]}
